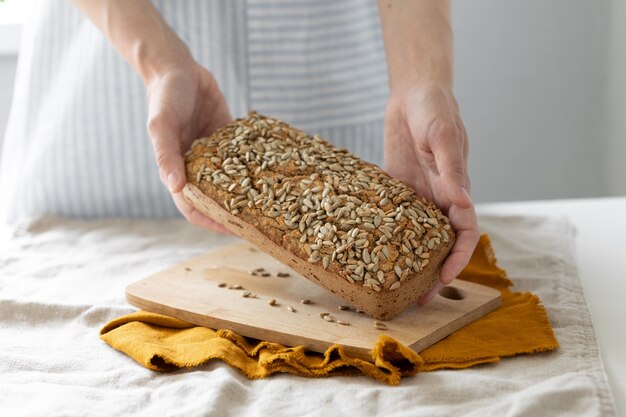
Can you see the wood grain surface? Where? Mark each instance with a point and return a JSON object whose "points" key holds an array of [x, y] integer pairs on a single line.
{"points": [[190, 291]]}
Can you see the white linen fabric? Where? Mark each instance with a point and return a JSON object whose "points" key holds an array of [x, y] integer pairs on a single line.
{"points": [[76, 143], [61, 281]]}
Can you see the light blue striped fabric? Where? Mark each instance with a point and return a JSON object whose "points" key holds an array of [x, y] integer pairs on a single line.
{"points": [[76, 143]]}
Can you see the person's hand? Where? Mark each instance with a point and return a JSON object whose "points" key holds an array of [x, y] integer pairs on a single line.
{"points": [[426, 147], [184, 101], [184, 104]]}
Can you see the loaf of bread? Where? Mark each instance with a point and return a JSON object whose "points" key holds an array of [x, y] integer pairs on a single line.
{"points": [[341, 222]]}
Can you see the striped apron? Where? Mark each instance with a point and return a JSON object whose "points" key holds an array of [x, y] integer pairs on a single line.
{"points": [[76, 143]]}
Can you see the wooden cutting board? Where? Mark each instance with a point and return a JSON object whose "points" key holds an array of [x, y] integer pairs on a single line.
{"points": [[191, 291]]}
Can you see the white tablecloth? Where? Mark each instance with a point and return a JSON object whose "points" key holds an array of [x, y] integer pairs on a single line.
{"points": [[60, 281]]}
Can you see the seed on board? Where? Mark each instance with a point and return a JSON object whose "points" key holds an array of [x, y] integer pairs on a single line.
{"points": [[246, 294], [305, 301], [222, 284], [343, 323], [187, 268], [343, 307], [329, 318], [265, 274], [380, 326], [358, 310], [322, 315], [235, 287], [282, 274], [290, 308], [272, 302]]}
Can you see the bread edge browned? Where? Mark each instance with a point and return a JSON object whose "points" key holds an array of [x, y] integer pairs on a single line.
{"points": [[383, 305]]}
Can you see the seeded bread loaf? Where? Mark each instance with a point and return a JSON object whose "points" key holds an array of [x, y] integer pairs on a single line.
{"points": [[341, 222]]}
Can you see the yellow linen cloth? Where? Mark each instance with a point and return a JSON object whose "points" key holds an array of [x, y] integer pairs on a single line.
{"points": [[519, 326]]}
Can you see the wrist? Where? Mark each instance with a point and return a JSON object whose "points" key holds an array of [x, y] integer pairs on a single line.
{"points": [[422, 71], [422, 87], [153, 61]]}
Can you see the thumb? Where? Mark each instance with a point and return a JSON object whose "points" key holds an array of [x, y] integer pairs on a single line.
{"points": [[167, 153], [450, 162]]}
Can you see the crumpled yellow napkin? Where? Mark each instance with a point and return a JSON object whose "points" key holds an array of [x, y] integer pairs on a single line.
{"points": [[519, 326]]}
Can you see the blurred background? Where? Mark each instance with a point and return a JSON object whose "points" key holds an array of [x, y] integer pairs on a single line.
{"points": [[541, 86]]}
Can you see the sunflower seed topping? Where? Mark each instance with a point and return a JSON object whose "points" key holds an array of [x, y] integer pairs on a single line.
{"points": [[344, 214]]}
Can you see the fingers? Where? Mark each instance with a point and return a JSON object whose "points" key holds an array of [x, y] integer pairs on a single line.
{"points": [[448, 145], [172, 171], [166, 146], [467, 234], [193, 216], [430, 294]]}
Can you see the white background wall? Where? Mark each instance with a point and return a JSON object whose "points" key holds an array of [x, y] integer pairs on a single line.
{"points": [[531, 80], [616, 155], [542, 92]]}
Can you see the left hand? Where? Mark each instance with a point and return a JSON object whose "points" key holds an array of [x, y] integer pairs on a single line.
{"points": [[184, 103], [426, 147]]}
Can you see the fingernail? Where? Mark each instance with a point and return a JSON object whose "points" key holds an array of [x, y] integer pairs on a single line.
{"points": [[172, 180], [466, 195]]}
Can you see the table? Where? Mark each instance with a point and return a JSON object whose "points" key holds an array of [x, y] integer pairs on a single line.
{"points": [[601, 259], [50, 349]]}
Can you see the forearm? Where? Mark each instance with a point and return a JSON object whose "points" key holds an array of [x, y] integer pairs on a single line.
{"points": [[418, 42], [139, 33]]}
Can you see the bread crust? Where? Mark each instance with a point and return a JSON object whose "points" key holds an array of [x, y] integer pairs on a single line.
{"points": [[229, 185]]}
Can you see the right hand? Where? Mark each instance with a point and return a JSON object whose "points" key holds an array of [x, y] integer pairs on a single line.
{"points": [[184, 104]]}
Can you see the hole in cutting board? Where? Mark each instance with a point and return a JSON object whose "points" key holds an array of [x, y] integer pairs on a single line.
{"points": [[452, 293]]}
